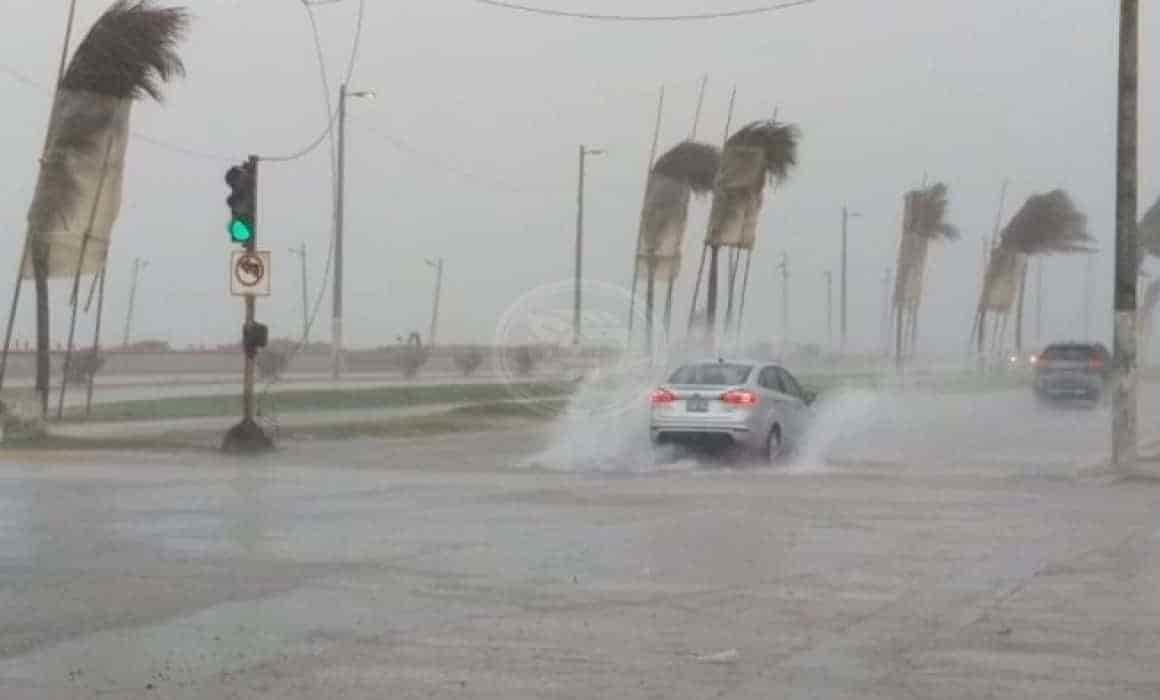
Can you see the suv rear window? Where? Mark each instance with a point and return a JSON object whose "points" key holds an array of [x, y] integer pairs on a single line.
{"points": [[711, 374], [1073, 353]]}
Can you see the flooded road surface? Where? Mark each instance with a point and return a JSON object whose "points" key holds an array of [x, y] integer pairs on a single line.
{"points": [[499, 565]]}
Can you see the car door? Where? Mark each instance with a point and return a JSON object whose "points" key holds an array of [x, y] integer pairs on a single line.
{"points": [[796, 408], [780, 405]]}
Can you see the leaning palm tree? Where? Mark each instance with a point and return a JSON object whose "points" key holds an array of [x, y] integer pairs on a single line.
{"points": [[1047, 224], [688, 168], [923, 221], [128, 54], [760, 153]]}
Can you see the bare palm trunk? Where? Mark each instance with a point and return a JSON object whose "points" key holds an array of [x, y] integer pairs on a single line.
{"points": [[1019, 312], [898, 326], [43, 365], [668, 308], [711, 301], [649, 303], [981, 320]]}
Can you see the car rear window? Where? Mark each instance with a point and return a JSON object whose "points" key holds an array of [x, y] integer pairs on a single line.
{"points": [[1071, 353], [711, 374]]}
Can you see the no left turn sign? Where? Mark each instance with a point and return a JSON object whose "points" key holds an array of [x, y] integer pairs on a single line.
{"points": [[250, 273]]}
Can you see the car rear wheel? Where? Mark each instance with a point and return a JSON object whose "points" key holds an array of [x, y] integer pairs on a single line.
{"points": [[774, 446]]}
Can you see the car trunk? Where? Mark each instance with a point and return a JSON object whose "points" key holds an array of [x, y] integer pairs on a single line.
{"points": [[700, 403]]}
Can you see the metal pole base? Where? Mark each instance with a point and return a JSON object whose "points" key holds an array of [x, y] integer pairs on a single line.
{"points": [[247, 437]]}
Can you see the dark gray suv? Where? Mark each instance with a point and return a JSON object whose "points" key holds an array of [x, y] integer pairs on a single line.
{"points": [[1072, 371]]}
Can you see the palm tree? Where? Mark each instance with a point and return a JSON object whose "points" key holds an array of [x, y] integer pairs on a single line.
{"points": [[1047, 224], [688, 168], [924, 220], [127, 55], [761, 152]]}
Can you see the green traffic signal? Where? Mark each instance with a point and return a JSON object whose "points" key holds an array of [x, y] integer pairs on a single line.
{"points": [[240, 231]]}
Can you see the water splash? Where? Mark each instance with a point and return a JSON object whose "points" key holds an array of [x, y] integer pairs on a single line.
{"points": [[838, 418]]}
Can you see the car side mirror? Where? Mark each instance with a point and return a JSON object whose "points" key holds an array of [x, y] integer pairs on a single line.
{"points": [[809, 396]]}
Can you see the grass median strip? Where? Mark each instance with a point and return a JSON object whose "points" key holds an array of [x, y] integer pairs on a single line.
{"points": [[323, 400], [461, 419]]}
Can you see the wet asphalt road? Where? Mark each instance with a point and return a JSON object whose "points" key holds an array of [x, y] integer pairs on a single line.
{"points": [[951, 548]]}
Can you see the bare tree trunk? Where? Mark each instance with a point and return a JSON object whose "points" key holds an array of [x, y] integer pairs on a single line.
{"points": [[914, 327], [1019, 313], [649, 303], [733, 261], [898, 326], [96, 351], [711, 301], [980, 349], [668, 309], [697, 288], [43, 349], [652, 156], [744, 292]]}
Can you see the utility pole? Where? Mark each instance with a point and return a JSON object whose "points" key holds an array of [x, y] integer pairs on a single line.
{"points": [[829, 275], [1124, 416], [579, 264], [138, 265], [846, 216], [783, 267], [437, 263], [336, 342], [300, 251]]}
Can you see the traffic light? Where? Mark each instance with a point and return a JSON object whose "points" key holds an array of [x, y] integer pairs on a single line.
{"points": [[243, 202]]}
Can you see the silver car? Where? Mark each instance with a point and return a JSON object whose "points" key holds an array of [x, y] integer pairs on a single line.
{"points": [[757, 406]]}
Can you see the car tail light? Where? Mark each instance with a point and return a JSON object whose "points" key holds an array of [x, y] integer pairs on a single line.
{"points": [[662, 396], [1096, 363], [739, 398]]}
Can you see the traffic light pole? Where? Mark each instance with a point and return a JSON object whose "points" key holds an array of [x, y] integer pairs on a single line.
{"points": [[247, 437], [248, 371]]}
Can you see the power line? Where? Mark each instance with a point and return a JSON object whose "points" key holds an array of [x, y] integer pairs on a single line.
{"points": [[24, 79], [264, 400], [441, 163], [723, 14], [332, 114]]}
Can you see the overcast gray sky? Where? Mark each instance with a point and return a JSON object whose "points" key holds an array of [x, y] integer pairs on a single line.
{"points": [[469, 152]]}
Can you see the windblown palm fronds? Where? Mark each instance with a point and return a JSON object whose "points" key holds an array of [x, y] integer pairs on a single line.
{"points": [[1047, 223], [689, 167], [130, 51], [927, 211], [1005, 270], [693, 163], [760, 152], [777, 142], [126, 55]]}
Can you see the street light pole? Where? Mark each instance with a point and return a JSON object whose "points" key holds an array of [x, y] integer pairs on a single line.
{"points": [[579, 264], [437, 263], [336, 343], [829, 275], [138, 265], [846, 216]]}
